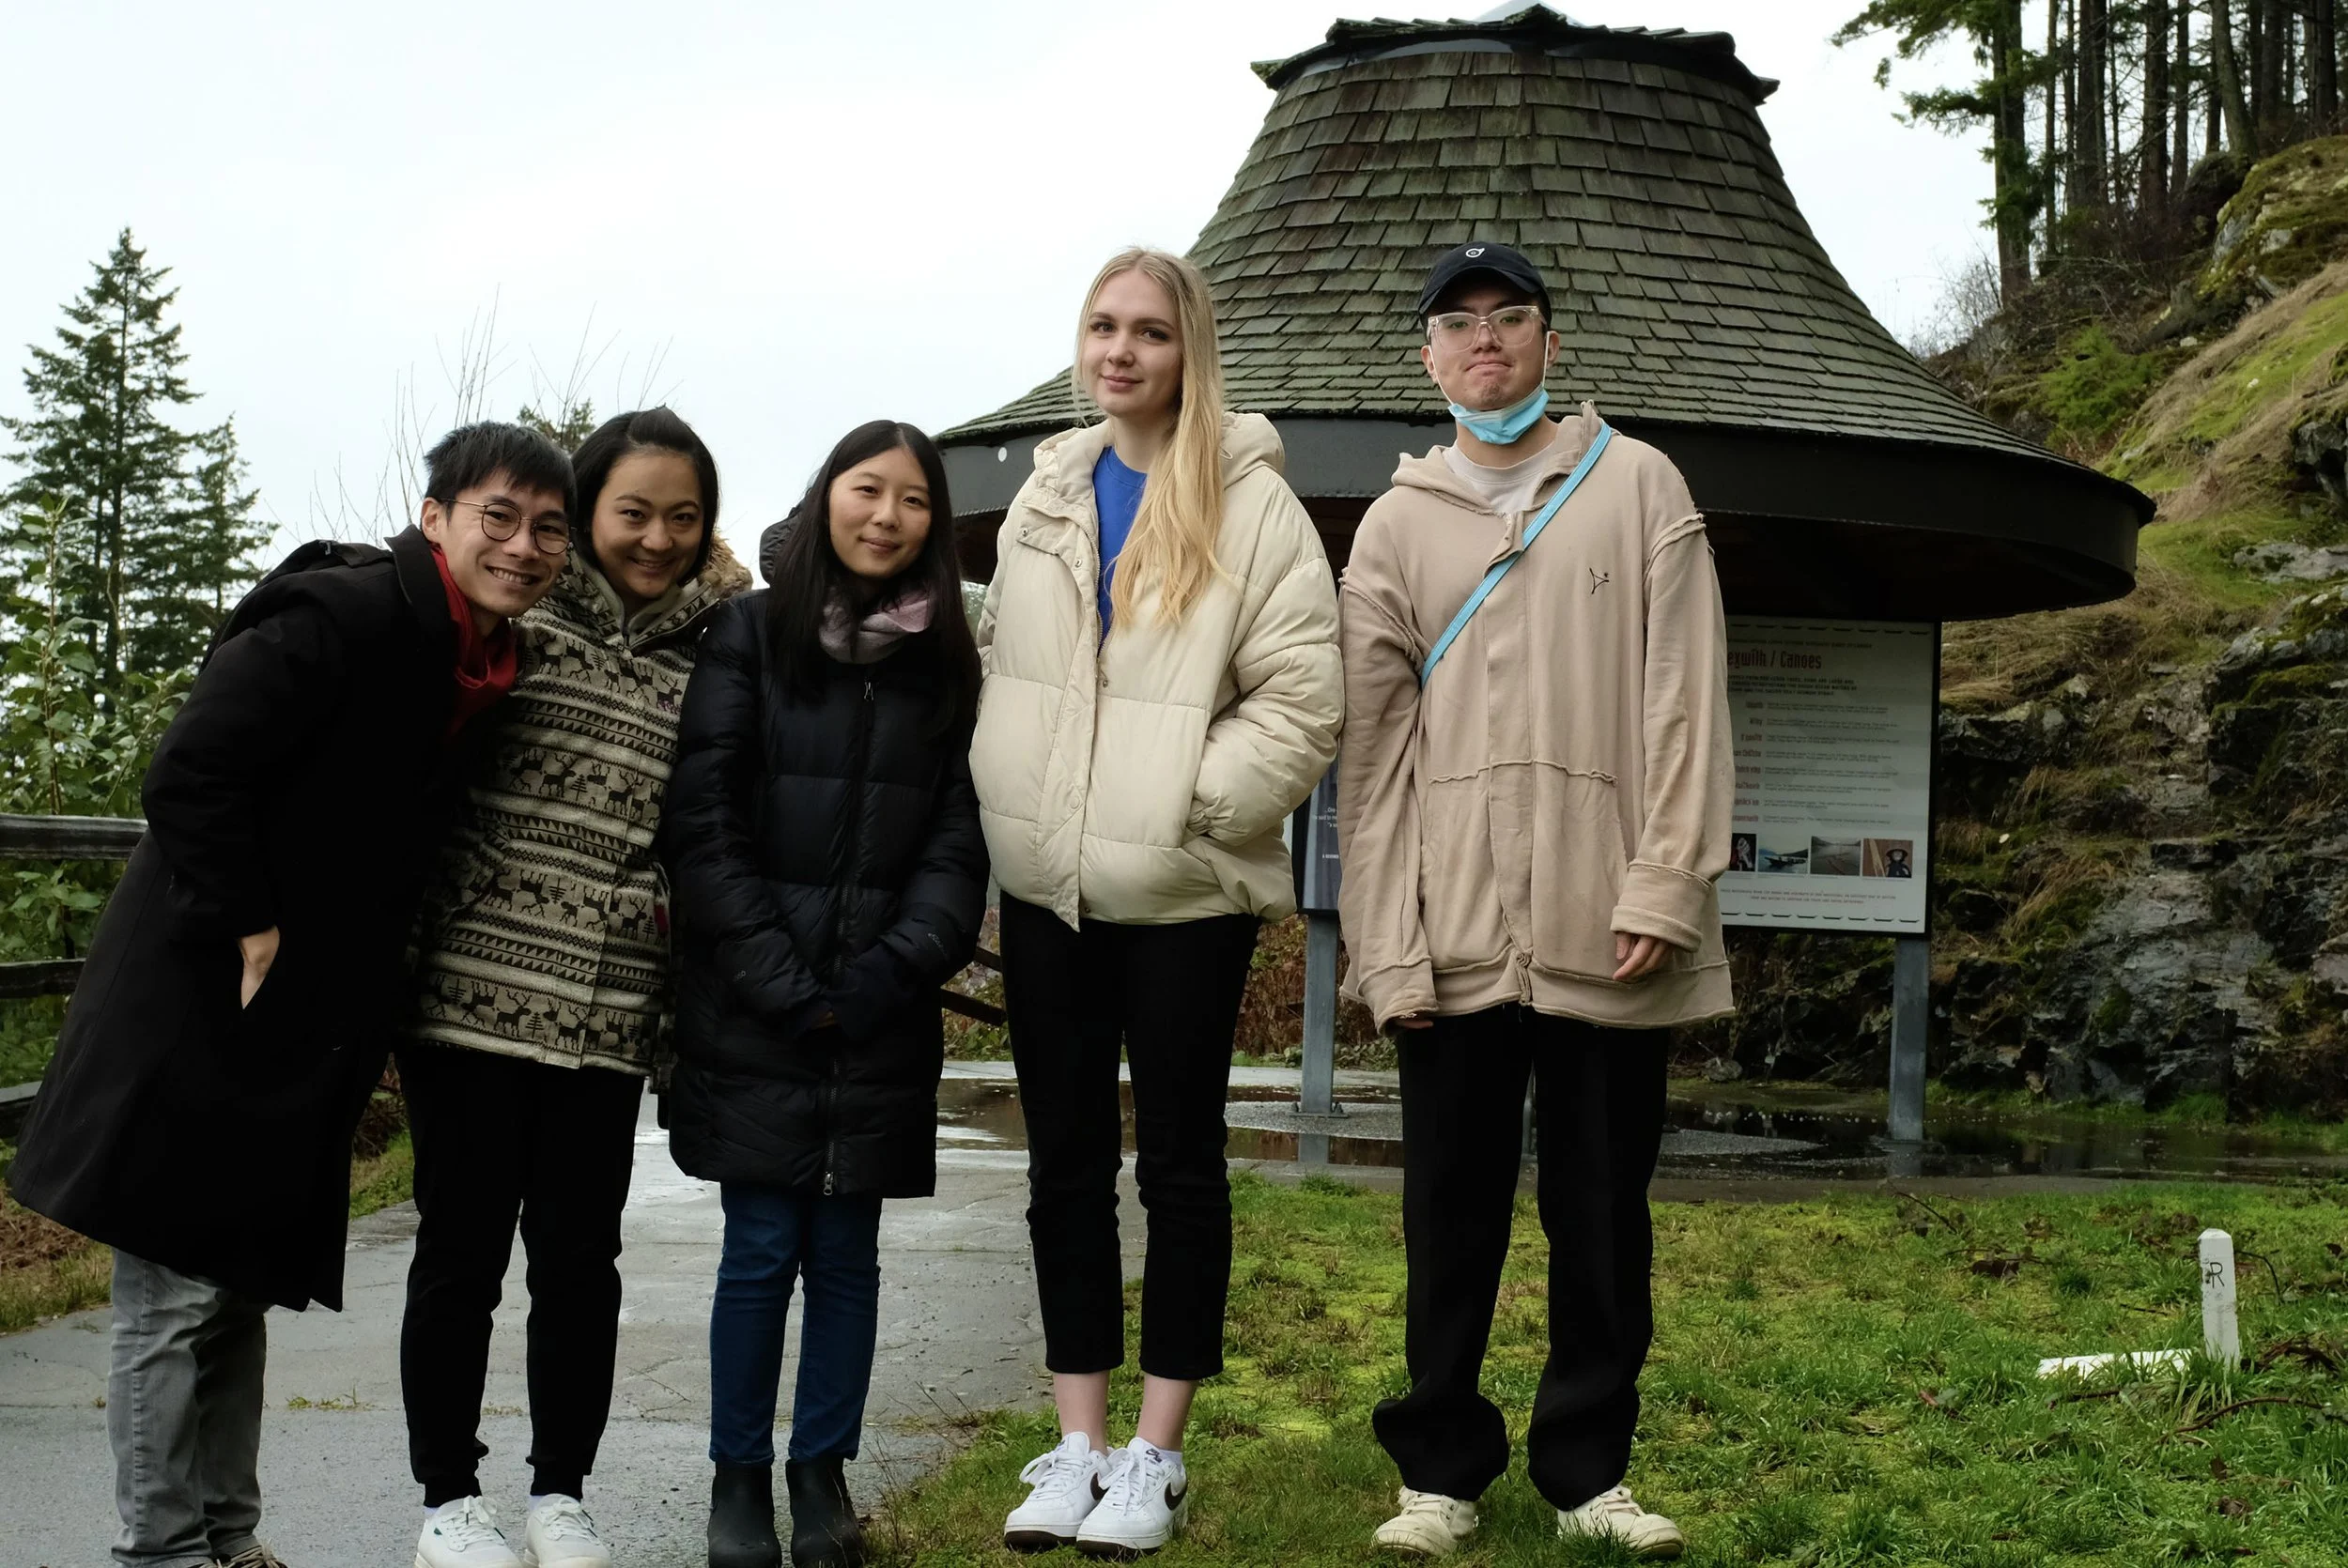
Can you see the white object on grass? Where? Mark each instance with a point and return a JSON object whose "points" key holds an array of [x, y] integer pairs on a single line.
{"points": [[2221, 1325], [2087, 1366]]}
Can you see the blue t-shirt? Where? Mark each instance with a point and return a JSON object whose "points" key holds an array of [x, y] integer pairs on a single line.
{"points": [[1116, 496]]}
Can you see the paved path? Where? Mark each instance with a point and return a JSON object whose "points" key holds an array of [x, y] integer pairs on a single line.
{"points": [[958, 1334]]}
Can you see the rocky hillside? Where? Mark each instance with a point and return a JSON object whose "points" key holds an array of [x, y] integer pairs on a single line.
{"points": [[2141, 890]]}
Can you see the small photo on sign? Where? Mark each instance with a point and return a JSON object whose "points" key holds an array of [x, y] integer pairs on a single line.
{"points": [[1744, 853], [1833, 857], [1891, 857], [1792, 857]]}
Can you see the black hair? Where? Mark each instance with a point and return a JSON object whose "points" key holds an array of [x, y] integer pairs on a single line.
{"points": [[804, 572], [646, 429], [473, 455]]}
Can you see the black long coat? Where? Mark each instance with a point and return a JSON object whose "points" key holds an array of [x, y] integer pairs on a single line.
{"points": [[303, 786], [800, 835]]}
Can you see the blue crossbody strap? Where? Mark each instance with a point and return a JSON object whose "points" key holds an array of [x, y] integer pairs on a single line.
{"points": [[1500, 568]]}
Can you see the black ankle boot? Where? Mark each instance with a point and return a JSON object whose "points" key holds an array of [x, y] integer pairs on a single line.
{"points": [[824, 1531], [742, 1518]]}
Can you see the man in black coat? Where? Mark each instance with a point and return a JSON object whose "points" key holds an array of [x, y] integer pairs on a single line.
{"points": [[241, 993]]}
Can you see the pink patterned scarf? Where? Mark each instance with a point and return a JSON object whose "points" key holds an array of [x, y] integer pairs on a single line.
{"points": [[874, 636]]}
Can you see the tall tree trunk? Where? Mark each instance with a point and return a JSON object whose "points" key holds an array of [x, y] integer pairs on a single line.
{"points": [[2115, 133], [2009, 151], [2152, 174], [2052, 191], [2270, 42], [2287, 100], [2089, 182], [2181, 98], [2225, 70], [2323, 65], [2068, 70]]}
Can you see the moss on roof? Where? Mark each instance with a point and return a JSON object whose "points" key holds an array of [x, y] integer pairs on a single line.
{"points": [[1630, 165]]}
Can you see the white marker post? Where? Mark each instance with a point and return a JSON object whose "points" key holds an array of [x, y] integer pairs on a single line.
{"points": [[2221, 1325]]}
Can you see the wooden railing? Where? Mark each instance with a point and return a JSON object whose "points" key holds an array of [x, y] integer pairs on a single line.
{"points": [[53, 839], [114, 839]]}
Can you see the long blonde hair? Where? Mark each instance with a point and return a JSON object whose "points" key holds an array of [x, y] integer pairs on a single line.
{"points": [[1171, 547]]}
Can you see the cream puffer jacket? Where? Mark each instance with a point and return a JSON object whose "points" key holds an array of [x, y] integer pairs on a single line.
{"points": [[1145, 780]]}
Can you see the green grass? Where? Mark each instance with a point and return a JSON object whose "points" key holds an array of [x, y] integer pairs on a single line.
{"points": [[2276, 364], [2200, 551], [2095, 386], [1836, 1383], [388, 1179]]}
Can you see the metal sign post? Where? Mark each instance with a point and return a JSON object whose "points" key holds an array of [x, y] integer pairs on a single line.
{"points": [[1911, 1018], [1317, 856]]}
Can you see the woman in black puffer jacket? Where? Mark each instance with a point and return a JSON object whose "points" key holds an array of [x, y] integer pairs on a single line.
{"points": [[827, 873]]}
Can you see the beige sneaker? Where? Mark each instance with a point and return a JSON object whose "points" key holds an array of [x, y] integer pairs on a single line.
{"points": [[1618, 1514], [1430, 1524]]}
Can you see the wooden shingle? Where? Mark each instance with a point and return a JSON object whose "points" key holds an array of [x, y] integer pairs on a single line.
{"points": [[1631, 164]]}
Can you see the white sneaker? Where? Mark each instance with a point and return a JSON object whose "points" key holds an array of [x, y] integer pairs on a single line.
{"points": [[1616, 1513], [1147, 1500], [1067, 1484], [1430, 1524], [464, 1534], [562, 1535]]}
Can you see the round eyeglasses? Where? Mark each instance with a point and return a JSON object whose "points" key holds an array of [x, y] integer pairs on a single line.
{"points": [[501, 521]]}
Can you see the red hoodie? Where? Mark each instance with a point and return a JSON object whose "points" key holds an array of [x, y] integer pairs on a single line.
{"points": [[486, 666]]}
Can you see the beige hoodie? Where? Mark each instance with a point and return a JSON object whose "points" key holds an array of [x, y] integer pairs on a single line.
{"points": [[1146, 780], [1567, 771]]}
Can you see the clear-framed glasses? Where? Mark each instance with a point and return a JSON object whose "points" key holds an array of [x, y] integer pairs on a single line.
{"points": [[500, 522], [1514, 326]]}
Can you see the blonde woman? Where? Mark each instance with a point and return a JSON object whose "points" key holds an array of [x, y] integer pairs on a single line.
{"points": [[1162, 689]]}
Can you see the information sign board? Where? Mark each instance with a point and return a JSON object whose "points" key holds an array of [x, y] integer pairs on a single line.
{"points": [[1832, 826]]}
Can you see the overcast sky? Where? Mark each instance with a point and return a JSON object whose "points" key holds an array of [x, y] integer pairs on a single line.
{"points": [[784, 219]]}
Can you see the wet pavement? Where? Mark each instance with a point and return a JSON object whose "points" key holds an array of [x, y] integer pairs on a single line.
{"points": [[958, 1335]]}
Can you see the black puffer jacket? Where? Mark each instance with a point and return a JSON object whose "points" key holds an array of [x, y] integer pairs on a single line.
{"points": [[306, 786], [823, 856]]}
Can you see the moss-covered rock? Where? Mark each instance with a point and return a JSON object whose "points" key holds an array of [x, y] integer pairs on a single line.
{"points": [[2288, 218]]}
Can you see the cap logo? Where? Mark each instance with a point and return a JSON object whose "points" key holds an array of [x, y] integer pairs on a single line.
{"points": [[1475, 250]]}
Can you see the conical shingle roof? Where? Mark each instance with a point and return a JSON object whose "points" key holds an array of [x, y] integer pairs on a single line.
{"points": [[1696, 307]]}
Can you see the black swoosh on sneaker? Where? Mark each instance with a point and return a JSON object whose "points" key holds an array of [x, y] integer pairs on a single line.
{"points": [[1099, 1491], [1173, 1498]]}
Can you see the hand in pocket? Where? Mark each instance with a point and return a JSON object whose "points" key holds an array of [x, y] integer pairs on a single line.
{"points": [[1637, 957], [260, 952]]}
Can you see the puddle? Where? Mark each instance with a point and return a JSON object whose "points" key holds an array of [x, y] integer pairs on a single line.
{"points": [[1846, 1134], [985, 1114], [1724, 1132]]}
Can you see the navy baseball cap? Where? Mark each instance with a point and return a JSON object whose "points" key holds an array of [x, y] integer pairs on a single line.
{"points": [[1478, 256]]}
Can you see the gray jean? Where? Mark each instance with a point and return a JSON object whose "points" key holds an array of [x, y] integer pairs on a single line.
{"points": [[183, 1411]]}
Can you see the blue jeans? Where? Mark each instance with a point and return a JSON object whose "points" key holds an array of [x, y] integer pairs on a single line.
{"points": [[774, 1236]]}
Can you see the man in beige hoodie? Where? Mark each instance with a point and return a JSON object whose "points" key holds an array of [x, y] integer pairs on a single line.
{"points": [[1533, 809]]}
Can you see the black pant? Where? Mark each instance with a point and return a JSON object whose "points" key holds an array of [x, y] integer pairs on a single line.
{"points": [[499, 1139], [1600, 1112], [1171, 995]]}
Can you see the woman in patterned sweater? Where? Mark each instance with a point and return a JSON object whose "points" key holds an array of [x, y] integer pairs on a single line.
{"points": [[542, 973]]}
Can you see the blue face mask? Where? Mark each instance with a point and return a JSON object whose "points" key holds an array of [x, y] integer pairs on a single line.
{"points": [[1501, 427]]}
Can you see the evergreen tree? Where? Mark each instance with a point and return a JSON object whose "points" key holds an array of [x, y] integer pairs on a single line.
{"points": [[191, 573], [574, 424], [2000, 99], [152, 527]]}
